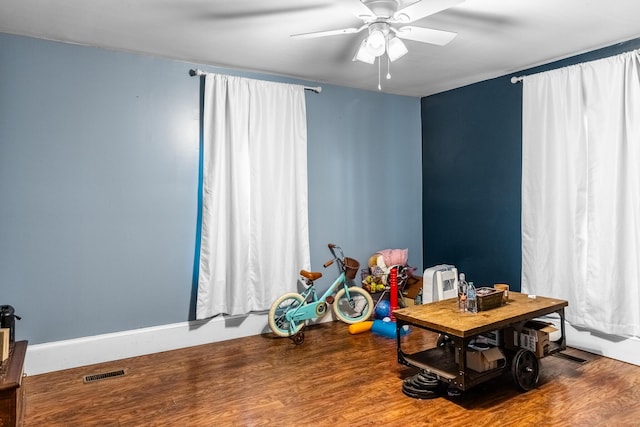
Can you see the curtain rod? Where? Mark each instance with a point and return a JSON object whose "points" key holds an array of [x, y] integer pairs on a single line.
{"points": [[198, 72], [517, 79]]}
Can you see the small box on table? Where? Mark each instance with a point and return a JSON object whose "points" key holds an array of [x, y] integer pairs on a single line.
{"points": [[488, 298]]}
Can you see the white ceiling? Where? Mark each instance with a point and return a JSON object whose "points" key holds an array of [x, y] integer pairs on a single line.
{"points": [[495, 37]]}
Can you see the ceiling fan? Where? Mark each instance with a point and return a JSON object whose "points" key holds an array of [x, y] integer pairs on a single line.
{"points": [[385, 21]]}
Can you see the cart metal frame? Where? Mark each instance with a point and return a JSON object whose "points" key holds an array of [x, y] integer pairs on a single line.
{"points": [[461, 328]]}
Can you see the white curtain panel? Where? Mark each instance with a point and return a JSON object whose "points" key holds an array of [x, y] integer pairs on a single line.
{"points": [[581, 191], [255, 235]]}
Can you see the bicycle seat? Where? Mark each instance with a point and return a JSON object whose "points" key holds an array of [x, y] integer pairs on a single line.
{"points": [[311, 275]]}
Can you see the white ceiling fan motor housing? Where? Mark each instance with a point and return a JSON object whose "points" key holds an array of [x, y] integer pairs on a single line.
{"points": [[382, 8]]}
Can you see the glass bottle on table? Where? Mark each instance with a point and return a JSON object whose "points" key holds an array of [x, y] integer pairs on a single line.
{"points": [[462, 293], [472, 298]]}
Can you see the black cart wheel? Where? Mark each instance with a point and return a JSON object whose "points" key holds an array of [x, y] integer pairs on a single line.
{"points": [[525, 369]]}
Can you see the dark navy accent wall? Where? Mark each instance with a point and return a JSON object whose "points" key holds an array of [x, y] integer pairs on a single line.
{"points": [[471, 181], [472, 165]]}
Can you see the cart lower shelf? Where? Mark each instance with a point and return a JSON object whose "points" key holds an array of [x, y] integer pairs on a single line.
{"points": [[441, 362]]}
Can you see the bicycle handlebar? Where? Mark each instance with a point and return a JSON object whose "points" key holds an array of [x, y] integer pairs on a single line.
{"points": [[336, 257]]}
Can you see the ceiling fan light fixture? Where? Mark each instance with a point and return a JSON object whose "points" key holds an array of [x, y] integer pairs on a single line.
{"points": [[396, 49], [376, 43], [362, 54]]}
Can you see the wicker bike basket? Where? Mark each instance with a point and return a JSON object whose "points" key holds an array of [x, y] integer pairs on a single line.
{"points": [[350, 268]]}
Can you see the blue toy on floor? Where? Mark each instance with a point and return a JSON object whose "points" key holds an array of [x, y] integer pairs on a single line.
{"points": [[383, 309], [387, 329]]}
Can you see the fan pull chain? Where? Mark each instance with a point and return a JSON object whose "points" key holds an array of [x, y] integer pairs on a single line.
{"points": [[386, 49], [379, 85]]}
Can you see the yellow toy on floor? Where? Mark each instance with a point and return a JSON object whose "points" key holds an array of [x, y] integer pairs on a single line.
{"points": [[360, 327]]}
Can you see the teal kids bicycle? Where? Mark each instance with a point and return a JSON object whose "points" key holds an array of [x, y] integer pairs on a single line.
{"points": [[351, 304]]}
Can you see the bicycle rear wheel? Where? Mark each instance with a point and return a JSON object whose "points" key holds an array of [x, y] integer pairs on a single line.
{"points": [[277, 315], [354, 308]]}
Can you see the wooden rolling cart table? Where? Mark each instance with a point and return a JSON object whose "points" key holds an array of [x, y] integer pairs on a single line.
{"points": [[461, 328]]}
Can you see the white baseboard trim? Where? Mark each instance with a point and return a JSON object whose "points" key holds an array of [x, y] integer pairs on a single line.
{"points": [[625, 349], [59, 355]]}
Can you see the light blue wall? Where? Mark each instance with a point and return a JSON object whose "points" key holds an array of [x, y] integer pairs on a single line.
{"points": [[99, 155]]}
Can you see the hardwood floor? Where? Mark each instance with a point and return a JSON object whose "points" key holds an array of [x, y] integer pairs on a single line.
{"points": [[333, 379]]}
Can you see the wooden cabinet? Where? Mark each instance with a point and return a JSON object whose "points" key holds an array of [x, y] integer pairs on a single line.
{"points": [[11, 390]]}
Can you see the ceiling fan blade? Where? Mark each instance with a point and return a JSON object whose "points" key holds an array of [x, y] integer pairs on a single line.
{"points": [[422, 9], [328, 33], [425, 35], [360, 10]]}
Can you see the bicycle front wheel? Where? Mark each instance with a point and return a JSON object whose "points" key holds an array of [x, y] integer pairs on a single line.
{"points": [[355, 307], [277, 315]]}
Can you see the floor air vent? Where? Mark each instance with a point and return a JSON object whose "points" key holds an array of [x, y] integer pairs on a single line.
{"points": [[104, 376]]}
